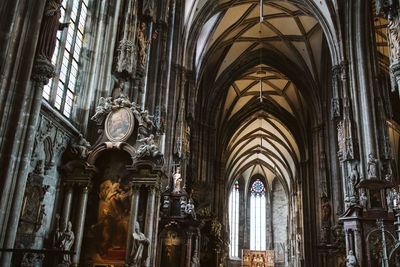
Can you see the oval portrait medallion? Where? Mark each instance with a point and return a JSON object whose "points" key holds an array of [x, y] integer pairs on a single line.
{"points": [[119, 125]]}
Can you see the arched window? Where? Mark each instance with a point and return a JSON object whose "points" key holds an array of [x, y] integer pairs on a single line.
{"points": [[60, 92], [234, 220], [257, 216]]}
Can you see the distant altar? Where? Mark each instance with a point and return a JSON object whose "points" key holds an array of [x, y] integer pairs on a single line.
{"points": [[257, 258]]}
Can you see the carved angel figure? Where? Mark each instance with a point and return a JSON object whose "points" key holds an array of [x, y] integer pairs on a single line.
{"points": [[148, 148], [102, 109], [82, 148]]}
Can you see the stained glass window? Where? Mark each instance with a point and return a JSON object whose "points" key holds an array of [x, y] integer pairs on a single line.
{"points": [[234, 220], [257, 216], [60, 92]]}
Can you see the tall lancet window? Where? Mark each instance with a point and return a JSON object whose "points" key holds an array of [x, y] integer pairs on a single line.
{"points": [[257, 216], [234, 220], [61, 90]]}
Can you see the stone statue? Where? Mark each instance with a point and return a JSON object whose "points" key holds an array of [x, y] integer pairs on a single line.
{"points": [[148, 148], [118, 90], [190, 209], [354, 179], [139, 248], [177, 181], [372, 168], [102, 109], [389, 199], [351, 260], [48, 29], [82, 148], [195, 260], [166, 202], [363, 201], [64, 241]]}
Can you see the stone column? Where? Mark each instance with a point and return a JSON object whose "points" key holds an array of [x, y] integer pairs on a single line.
{"points": [[133, 217], [189, 248], [358, 247], [148, 228], [348, 241], [80, 224], [67, 206]]}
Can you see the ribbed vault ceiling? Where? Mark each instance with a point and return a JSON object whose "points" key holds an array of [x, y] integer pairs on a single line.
{"points": [[259, 135], [285, 29]]}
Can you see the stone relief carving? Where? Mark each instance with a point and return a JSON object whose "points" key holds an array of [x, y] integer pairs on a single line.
{"points": [[32, 259], [148, 148], [33, 209], [394, 38], [81, 149]]}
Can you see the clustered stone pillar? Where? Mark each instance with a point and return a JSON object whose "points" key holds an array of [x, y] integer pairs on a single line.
{"points": [[189, 248]]}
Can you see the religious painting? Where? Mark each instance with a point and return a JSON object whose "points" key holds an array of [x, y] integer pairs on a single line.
{"points": [[171, 250], [119, 125], [108, 212]]}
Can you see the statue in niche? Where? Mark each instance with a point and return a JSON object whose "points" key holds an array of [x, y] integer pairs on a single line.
{"points": [[139, 250], [148, 148], [48, 29], [389, 200], [81, 150], [64, 240], [354, 179], [177, 179], [351, 260], [363, 201], [372, 168]]}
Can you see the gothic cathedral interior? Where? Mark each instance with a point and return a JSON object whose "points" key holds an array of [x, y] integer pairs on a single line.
{"points": [[109, 157]]}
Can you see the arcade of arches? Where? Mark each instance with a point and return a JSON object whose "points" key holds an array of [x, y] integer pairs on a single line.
{"points": [[200, 133]]}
